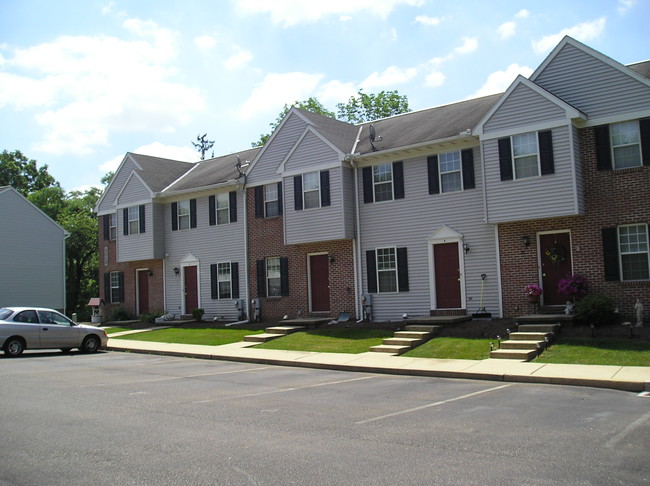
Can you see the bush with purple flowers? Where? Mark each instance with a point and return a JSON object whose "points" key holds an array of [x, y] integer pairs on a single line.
{"points": [[573, 287]]}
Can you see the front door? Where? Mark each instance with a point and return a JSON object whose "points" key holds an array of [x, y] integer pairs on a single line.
{"points": [[191, 289], [320, 286], [447, 278], [555, 254], [143, 291]]}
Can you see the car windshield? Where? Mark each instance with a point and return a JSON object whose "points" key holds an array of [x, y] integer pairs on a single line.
{"points": [[4, 313]]}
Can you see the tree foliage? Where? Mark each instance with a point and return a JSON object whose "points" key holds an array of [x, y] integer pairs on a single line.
{"points": [[22, 174], [203, 145]]}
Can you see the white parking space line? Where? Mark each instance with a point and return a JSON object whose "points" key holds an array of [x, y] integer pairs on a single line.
{"points": [[283, 390], [430, 405], [170, 378], [614, 441]]}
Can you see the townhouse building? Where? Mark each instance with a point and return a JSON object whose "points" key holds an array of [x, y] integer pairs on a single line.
{"points": [[442, 211]]}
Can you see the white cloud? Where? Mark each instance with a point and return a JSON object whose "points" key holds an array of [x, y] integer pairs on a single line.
{"points": [[278, 89], [430, 21], [522, 14], [206, 42], [108, 8], [470, 44], [336, 92], [498, 81], [507, 30], [238, 60], [85, 88], [625, 5], [389, 77], [293, 12], [583, 32], [434, 79]]}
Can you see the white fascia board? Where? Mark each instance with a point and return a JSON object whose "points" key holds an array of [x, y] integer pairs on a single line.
{"points": [[604, 120], [534, 127]]}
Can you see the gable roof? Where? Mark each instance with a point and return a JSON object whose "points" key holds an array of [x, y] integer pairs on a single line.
{"points": [[341, 134], [157, 173], [8, 191], [643, 68]]}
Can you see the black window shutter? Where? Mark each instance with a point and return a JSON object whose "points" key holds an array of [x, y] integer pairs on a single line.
{"points": [[105, 223], [505, 159], [433, 175], [398, 180], [371, 271], [214, 283], [192, 213], [261, 278], [284, 277], [234, 279], [280, 198], [212, 210], [107, 287], [644, 127], [259, 201], [603, 149], [402, 270], [121, 284], [141, 217], [174, 216], [325, 188], [297, 192], [232, 204], [610, 254], [545, 139], [467, 158], [125, 222], [368, 195]]}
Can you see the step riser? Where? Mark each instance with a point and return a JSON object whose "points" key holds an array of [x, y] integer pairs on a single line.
{"points": [[529, 336], [545, 328], [513, 354], [402, 342], [390, 349], [530, 345], [423, 328], [412, 335]]}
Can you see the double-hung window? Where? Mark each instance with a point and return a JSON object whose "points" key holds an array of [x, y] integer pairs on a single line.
{"points": [[382, 179], [271, 200], [450, 172], [112, 226], [273, 277], [626, 144], [115, 291], [134, 220], [184, 214], [311, 190], [383, 182], [224, 282], [387, 269], [634, 251], [524, 154], [223, 208]]}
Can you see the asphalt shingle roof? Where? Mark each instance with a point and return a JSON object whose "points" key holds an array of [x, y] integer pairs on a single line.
{"points": [[157, 172]]}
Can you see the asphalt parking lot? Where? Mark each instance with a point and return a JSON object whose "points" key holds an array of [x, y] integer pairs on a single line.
{"points": [[121, 418]]}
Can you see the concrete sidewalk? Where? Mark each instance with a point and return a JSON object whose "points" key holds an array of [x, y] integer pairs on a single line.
{"points": [[630, 378]]}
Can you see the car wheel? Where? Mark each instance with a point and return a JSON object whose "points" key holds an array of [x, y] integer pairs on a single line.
{"points": [[90, 344], [14, 346]]}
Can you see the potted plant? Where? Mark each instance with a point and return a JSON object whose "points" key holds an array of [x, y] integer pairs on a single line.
{"points": [[532, 291]]}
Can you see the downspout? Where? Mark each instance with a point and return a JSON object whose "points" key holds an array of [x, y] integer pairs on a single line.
{"points": [[66, 235], [246, 289], [356, 247]]}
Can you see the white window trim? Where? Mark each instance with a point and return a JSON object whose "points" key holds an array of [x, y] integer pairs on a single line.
{"points": [[460, 171], [620, 251], [638, 144], [181, 217], [112, 226], [279, 277], [219, 280], [305, 191], [514, 158], [394, 270], [136, 220], [375, 183], [225, 209], [267, 201], [117, 276]]}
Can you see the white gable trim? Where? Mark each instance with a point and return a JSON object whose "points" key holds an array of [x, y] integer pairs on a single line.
{"points": [[110, 184], [308, 129]]}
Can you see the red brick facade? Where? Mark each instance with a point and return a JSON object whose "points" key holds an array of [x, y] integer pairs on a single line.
{"points": [[612, 198], [266, 239]]}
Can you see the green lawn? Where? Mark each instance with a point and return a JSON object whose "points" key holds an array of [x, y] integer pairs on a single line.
{"points": [[110, 330], [351, 341], [210, 337], [598, 351], [453, 348]]}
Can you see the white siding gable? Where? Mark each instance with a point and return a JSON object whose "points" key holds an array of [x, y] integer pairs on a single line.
{"points": [[133, 192]]}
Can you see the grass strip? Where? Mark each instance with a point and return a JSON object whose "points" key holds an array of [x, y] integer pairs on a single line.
{"points": [[452, 348], [597, 351], [352, 341], [206, 336]]}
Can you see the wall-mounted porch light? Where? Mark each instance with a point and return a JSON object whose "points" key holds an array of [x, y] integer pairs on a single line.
{"points": [[526, 240], [177, 270], [466, 248]]}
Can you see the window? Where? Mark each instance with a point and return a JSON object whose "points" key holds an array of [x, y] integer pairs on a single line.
{"points": [[387, 270], [184, 215], [450, 174], [271, 201], [311, 190], [626, 144], [223, 280], [382, 178], [633, 246], [223, 208], [134, 220], [115, 288], [526, 155], [273, 274], [383, 182], [112, 226], [48, 317]]}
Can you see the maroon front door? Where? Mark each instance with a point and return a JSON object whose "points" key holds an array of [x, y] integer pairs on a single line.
{"points": [[555, 253], [320, 286], [191, 289], [447, 269], [143, 291]]}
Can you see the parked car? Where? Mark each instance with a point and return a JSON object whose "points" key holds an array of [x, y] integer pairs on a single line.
{"points": [[40, 328]]}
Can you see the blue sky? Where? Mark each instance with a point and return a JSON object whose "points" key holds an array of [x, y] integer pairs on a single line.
{"points": [[82, 82]]}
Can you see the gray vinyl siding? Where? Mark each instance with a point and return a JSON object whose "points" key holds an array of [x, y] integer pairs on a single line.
{"points": [[157, 227], [546, 196], [265, 168], [134, 247], [591, 85], [120, 178], [312, 151], [349, 209], [525, 107], [209, 244], [32, 248], [134, 193], [316, 224], [579, 185], [409, 223]]}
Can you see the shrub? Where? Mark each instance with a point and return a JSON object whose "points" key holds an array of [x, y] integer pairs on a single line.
{"points": [[120, 314], [573, 287], [198, 314], [150, 317], [595, 309], [533, 290]]}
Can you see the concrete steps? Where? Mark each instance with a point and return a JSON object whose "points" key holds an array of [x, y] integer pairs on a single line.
{"points": [[528, 342], [272, 333], [402, 341]]}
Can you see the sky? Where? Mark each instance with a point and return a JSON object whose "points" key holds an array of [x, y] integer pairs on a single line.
{"points": [[83, 82]]}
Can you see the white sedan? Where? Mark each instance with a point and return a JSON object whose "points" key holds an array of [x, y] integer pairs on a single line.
{"points": [[39, 328]]}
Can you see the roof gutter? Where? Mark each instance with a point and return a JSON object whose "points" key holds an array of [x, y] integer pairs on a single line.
{"points": [[164, 193], [461, 136]]}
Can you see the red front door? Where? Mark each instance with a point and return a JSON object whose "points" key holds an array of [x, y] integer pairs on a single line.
{"points": [[191, 289], [143, 291], [447, 269], [555, 253], [320, 286]]}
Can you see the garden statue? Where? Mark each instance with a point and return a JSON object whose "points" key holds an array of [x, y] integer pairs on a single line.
{"points": [[568, 310], [638, 307]]}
